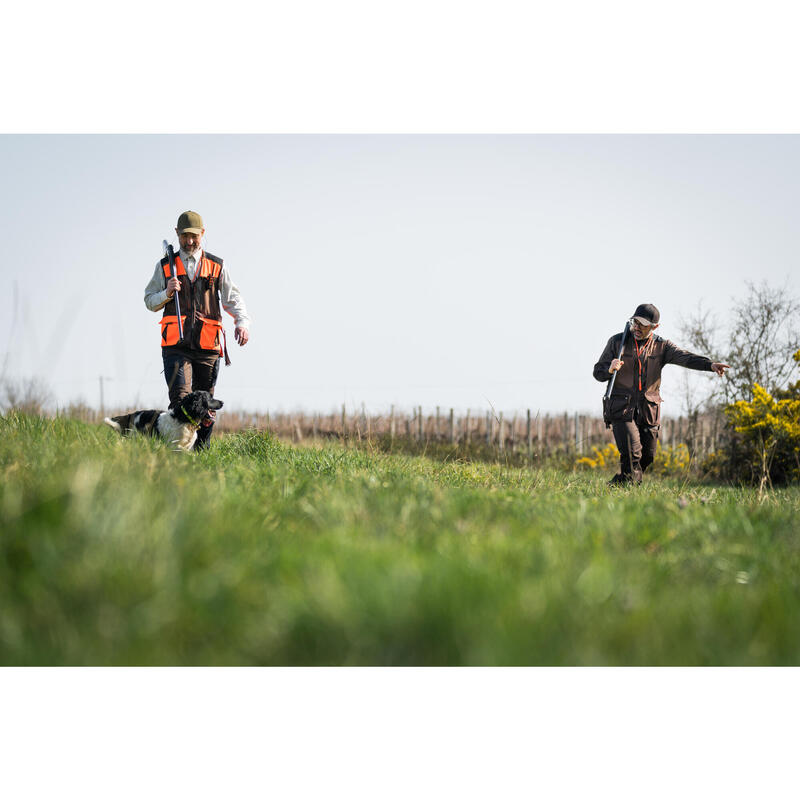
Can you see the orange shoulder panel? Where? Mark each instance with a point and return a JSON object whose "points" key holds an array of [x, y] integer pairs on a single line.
{"points": [[179, 269]]}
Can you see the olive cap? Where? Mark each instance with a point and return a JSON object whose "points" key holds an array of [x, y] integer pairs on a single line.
{"points": [[190, 222]]}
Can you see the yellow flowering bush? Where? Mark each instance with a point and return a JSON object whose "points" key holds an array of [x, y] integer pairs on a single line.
{"points": [[671, 460], [601, 457], [767, 434]]}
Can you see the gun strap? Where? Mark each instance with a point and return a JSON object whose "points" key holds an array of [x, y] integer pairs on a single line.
{"points": [[225, 348]]}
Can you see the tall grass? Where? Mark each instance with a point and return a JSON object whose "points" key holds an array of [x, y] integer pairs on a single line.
{"points": [[120, 551]]}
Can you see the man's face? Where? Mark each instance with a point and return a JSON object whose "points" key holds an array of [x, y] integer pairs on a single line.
{"points": [[190, 242], [642, 329]]}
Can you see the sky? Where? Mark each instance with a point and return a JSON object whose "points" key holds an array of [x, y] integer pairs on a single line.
{"points": [[464, 271]]}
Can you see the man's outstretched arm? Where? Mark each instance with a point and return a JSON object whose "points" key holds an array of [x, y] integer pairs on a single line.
{"points": [[683, 358]]}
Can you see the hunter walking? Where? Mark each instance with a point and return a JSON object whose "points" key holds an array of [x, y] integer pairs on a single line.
{"points": [[634, 406], [204, 287]]}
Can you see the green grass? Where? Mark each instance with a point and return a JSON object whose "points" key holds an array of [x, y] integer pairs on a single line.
{"points": [[119, 551]]}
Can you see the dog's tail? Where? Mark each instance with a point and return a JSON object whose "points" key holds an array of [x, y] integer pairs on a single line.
{"points": [[119, 424]]}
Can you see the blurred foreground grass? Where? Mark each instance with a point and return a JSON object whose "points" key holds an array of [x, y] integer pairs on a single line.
{"points": [[119, 551]]}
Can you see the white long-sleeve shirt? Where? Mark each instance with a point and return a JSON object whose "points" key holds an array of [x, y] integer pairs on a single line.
{"points": [[155, 293]]}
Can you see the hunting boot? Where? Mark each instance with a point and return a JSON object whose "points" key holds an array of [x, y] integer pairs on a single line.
{"points": [[621, 479]]}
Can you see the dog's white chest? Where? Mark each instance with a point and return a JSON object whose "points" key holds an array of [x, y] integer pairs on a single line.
{"points": [[179, 434]]}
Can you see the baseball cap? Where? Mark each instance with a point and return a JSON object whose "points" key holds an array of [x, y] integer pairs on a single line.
{"points": [[647, 314], [190, 222]]}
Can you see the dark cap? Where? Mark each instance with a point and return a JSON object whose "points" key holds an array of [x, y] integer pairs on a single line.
{"points": [[648, 313], [190, 222]]}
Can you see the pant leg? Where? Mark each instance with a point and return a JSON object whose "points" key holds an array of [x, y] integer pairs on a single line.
{"points": [[205, 370], [648, 420], [649, 439], [178, 375], [629, 444]]}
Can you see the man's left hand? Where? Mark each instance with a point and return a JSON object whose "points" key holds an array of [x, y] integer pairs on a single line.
{"points": [[241, 335], [719, 368]]}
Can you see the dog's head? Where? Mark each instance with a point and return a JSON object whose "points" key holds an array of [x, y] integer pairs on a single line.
{"points": [[200, 408]]}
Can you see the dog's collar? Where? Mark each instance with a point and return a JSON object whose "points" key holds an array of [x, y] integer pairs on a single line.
{"points": [[196, 424]]}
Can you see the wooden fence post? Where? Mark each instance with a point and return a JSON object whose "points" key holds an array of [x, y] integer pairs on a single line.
{"points": [[529, 435], [577, 434], [540, 443]]}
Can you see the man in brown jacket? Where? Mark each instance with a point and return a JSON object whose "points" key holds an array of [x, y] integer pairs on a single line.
{"points": [[635, 399]]}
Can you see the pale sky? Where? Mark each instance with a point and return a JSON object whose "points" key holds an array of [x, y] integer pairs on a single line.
{"points": [[450, 270]]}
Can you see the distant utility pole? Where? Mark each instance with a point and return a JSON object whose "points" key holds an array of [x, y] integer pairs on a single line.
{"points": [[102, 399]]}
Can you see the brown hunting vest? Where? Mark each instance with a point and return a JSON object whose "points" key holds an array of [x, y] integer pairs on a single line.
{"points": [[200, 306]]}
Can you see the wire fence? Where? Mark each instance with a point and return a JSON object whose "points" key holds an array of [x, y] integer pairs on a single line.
{"points": [[527, 432]]}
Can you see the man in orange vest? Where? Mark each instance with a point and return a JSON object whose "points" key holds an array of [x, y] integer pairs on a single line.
{"points": [[204, 287]]}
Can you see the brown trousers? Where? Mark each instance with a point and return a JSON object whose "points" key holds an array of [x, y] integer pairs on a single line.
{"points": [[187, 371], [636, 443]]}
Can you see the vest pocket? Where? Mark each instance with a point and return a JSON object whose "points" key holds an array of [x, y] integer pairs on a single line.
{"points": [[620, 408], [169, 330], [651, 413], [209, 334]]}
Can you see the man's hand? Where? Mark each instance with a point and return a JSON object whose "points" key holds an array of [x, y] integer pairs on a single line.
{"points": [[719, 368], [615, 365], [241, 335], [173, 285]]}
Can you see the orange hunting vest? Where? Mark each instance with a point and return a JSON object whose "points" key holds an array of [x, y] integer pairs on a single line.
{"points": [[200, 307]]}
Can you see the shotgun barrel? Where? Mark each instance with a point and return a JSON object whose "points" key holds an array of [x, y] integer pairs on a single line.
{"points": [[171, 256], [621, 348]]}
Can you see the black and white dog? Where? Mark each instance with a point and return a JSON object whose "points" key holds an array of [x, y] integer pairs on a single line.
{"points": [[178, 426]]}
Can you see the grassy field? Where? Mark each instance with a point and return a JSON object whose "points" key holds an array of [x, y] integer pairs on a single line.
{"points": [[256, 552]]}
